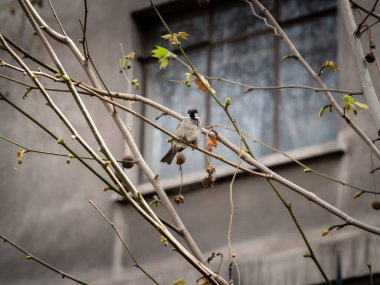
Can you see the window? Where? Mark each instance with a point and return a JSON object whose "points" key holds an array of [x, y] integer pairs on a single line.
{"points": [[227, 41]]}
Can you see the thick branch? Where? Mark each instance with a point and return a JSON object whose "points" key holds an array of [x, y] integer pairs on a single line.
{"points": [[361, 65]]}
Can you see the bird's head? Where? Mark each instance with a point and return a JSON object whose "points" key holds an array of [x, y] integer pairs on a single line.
{"points": [[192, 112]]}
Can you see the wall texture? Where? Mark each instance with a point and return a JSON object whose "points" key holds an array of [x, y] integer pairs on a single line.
{"points": [[44, 203]]}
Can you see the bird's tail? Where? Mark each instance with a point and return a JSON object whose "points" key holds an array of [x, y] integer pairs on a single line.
{"points": [[169, 156]]}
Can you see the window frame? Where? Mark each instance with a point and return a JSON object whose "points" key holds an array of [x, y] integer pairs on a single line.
{"points": [[173, 9]]}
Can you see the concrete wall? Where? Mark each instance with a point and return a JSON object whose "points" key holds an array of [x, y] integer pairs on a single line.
{"points": [[44, 203]]}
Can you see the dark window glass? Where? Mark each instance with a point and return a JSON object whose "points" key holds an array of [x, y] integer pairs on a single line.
{"points": [[291, 9]]}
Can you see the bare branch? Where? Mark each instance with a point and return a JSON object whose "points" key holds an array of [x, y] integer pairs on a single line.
{"points": [[29, 256], [136, 264]]}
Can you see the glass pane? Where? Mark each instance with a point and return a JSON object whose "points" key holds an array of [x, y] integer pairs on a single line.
{"points": [[316, 41], [291, 9], [179, 98], [231, 19], [251, 62], [196, 25]]}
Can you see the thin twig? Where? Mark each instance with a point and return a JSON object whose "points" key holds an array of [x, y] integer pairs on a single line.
{"points": [[305, 167], [288, 206], [84, 30], [34, 87], [29, 256], [232, 209], [337, 227], [291, 86], [56, 138], [365, 18], [136, 264], [26, 54], [263, 19], [56, 17], [356, 5], [28, 149]]}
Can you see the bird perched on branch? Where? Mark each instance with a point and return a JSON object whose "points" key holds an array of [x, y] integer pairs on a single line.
{"points": [[189, 131]]}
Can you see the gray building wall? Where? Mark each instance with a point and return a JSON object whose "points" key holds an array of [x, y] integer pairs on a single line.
{"points": [[44, 203]]}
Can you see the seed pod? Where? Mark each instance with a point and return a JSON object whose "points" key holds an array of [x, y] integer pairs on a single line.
{"points": [[208, 181], [210, 169], [203, 281], [370, 57], [179, 199], [128, 161], [180, 158], [376, 205]]}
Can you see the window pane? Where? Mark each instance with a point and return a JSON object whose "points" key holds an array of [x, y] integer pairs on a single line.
{"points": [[179, 98], [232, 19], [249, 61], [291, 9], [316, 42]]}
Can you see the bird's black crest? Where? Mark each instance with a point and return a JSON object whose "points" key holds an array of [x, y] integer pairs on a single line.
{"points": [[192, 111]]}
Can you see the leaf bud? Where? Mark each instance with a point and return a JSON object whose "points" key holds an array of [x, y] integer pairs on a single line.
{"points": [[325, 231], [358, 194], [306, 254]]}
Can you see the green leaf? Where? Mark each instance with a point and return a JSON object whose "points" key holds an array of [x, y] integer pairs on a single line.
{"points": [[358, 194], [348, 99], [163, 55], [160, 52], [179, 282], [360, 105]]}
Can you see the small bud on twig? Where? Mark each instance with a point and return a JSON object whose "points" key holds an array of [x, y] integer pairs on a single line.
{"points": [[325, 232]]}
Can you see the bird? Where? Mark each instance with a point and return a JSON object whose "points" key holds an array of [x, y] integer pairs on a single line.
{"points": [[189, 131]]}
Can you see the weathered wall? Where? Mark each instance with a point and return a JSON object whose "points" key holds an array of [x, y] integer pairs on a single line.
{"points": [[44, 203]]}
